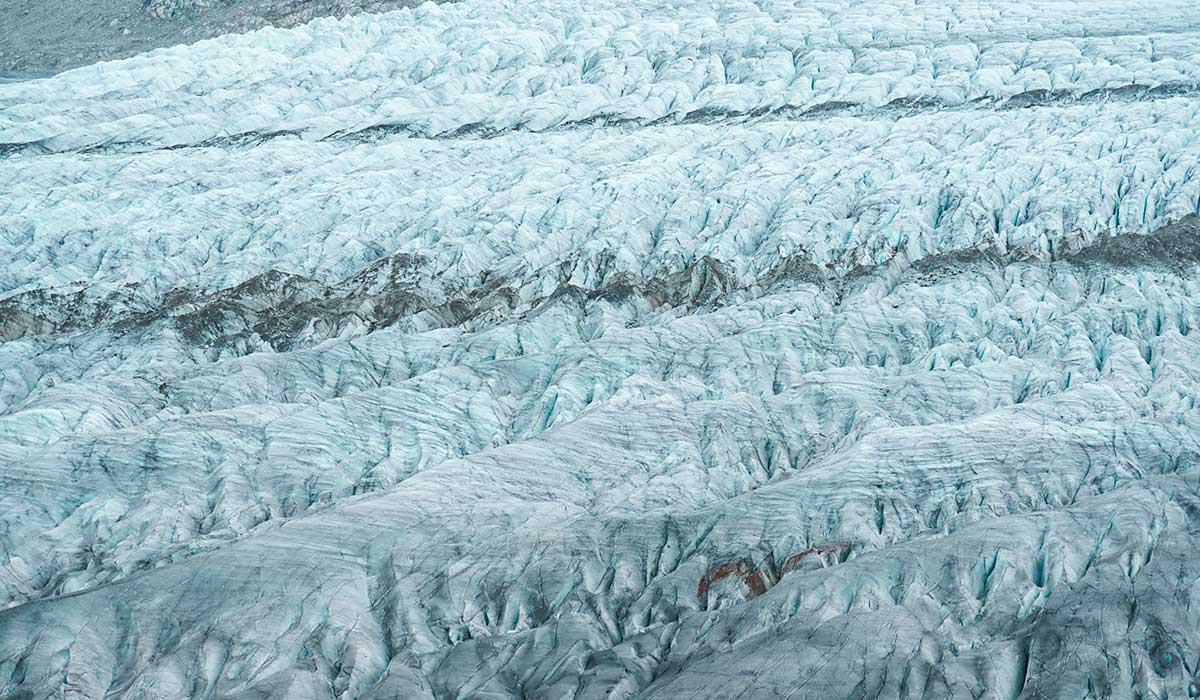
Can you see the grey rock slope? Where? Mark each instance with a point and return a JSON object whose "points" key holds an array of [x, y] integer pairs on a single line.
{"points": [[610, 350], [46, 36]]}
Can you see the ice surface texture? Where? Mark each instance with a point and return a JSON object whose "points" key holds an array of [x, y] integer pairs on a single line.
{"points": [[613, 350]]}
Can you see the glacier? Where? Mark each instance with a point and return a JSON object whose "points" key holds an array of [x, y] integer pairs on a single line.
{"points": [[523, 349]]}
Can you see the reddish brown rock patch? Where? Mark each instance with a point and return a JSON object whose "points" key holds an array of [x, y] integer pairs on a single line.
{"points": [[752, 578]]}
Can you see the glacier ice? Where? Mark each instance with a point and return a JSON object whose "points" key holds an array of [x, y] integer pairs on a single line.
{"points": [[517, 349]]}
